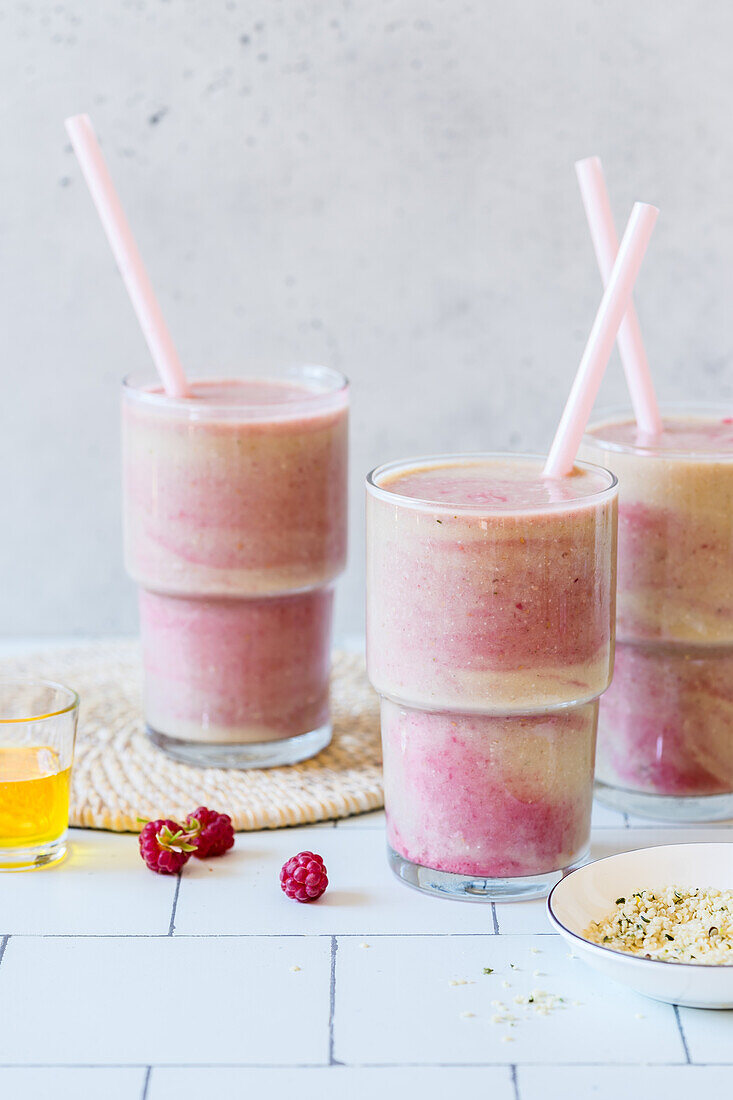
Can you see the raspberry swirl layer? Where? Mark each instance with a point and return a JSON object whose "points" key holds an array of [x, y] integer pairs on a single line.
{"points": [[490, 589], [490, 796], [223, 502]]}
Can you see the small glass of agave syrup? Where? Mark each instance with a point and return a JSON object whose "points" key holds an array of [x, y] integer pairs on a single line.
{"points": [[38, 721]]}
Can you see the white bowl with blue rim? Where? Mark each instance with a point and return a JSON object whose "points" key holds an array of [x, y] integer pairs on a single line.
{"points": [[589, 894]]}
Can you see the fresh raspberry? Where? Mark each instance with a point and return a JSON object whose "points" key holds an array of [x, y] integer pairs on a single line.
{"points": [[304, 877], [165, 846], [212, 832]]}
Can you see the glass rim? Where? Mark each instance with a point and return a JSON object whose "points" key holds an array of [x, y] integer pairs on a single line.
{"points": [[145, 388], [35, 681], [596, 497], [616, 412]]}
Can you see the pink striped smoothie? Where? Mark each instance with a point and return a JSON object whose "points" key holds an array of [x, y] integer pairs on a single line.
{"points": [[666, 723], [235, 530], [489, 637]]}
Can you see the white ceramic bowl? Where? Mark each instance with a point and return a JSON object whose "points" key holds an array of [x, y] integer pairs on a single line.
{"points": [[590, 893]]}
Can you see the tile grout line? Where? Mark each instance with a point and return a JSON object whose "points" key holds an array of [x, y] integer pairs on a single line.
{"points": [[682, 1033], [332, 1002], [515, 1082], [353, 1065], [172, 925], [275, 935], [146, 1082]]}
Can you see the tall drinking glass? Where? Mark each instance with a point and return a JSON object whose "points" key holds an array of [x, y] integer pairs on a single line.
{"points": [[665, 735], [235, 532], [490, 603]]}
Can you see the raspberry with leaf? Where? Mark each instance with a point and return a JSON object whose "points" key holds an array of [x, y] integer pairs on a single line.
{"points": [[165, 846], [212, 832]]}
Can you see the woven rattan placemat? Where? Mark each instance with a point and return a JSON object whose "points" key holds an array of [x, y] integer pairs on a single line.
{"points": [[119, 775]]}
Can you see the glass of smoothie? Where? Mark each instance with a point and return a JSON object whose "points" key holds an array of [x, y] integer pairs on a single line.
{"points": [[490, 609], [665, 738], [235, 532]]}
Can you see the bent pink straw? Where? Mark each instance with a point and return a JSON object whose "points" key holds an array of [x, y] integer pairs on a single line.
{"points": [[129, 260], [630, 344], [598, 350]]}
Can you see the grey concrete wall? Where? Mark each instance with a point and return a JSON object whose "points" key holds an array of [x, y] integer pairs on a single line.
{"points": [[386, 187]]}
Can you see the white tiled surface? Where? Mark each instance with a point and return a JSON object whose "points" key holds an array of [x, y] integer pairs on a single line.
{"points": [[99, 890], [333, 1083], [120, 984], [624, 1082], [709, 1036], [364, 897], [135, 1000], [394, 1003], [71, 1083]]}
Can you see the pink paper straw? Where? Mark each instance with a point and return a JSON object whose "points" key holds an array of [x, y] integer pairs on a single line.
{"points": [[630, 344], [598, 350], [129, 260]]}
